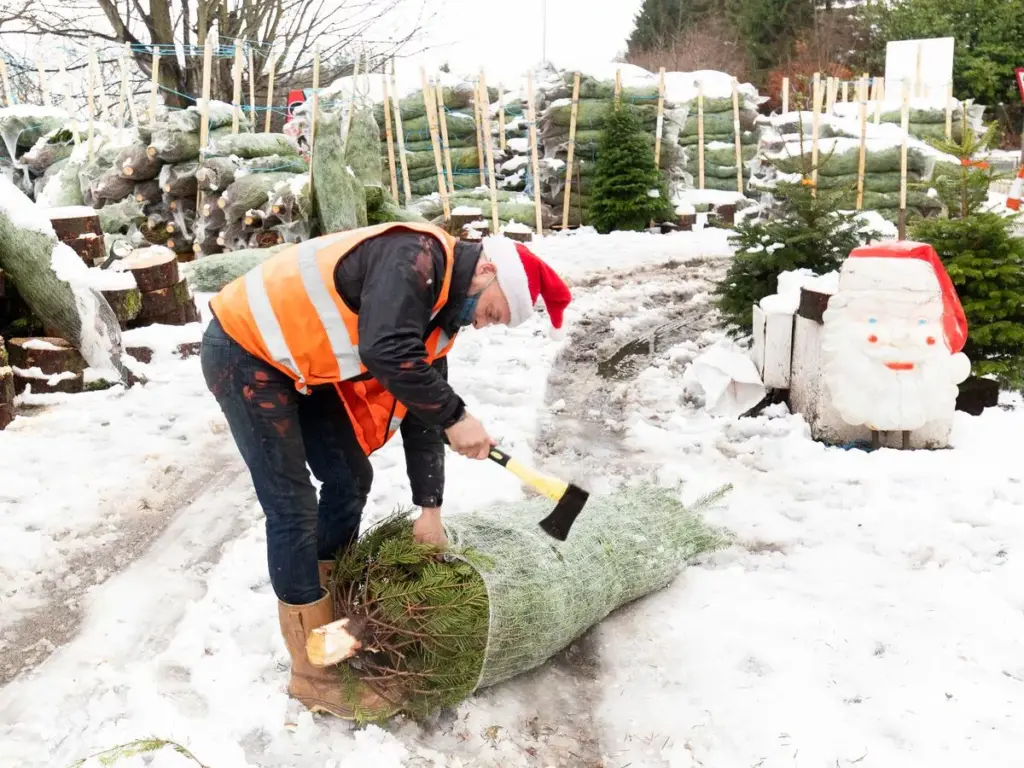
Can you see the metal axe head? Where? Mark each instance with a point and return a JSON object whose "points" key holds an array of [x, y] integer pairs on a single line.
{"points": [[568, 508]]}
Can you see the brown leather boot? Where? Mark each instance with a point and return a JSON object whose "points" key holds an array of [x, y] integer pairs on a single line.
{"points": [[320, 689]]}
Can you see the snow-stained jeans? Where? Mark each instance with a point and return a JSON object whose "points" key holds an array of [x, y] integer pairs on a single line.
{"points": [[278, 431]]}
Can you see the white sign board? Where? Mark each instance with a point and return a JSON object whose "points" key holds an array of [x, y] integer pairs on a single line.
{"points": [[926, 66]]}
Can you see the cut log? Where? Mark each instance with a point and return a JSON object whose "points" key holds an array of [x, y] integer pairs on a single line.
{"points": [[137, 164], [181, 316], [180, 180], [154, 268], [265, 239], [73, 221], [165, 301], [142, 354], [7, 392], [41, 384], [186, 205], [126, 303], [148, 193], [216, 174], [112, 186], [50, 355]]}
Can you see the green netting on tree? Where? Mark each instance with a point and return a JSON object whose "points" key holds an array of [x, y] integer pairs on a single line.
{"points": [[726, 137], [724, 171], [428, 146], [460, 125], [592, 88], [717, 123], [189, 120], [55, 146], [249, 145], [276, 164], [592, 114], [874, 182], [507, 597], [24, 125], [362, 147], [212, 273], [842, 158], [118, 217], [340, 200], [722, 155]]}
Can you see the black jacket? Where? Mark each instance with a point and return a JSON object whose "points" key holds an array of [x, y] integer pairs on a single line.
{"points": [[393, 281]]}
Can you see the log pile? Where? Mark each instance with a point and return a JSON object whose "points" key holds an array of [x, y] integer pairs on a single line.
{"points": [[45, 365]]}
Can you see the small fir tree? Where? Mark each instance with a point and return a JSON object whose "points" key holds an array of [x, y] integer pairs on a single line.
{"points": [[806, 232], [985, 261], [628, 191]]}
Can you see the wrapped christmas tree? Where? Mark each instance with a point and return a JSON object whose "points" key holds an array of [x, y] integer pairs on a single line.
{"points": [[425, 629]]}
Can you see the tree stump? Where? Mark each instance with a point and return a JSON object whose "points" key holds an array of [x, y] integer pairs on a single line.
{"points": [[49, 354], [6, 389], [126, 304], [78, 226], [727, 213], [165, 301], [153, 268], [520, 237], [687, 221], [142, 354], [40, 384]]}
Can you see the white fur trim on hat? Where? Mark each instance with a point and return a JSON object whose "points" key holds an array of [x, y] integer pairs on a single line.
{"points": [[511, 277]]}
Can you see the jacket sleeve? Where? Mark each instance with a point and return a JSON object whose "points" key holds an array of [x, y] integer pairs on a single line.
{"points": [[395, 306], [424, 455]]}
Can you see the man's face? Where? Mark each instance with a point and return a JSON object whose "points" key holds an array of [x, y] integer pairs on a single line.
{"points": [[492, 307]]}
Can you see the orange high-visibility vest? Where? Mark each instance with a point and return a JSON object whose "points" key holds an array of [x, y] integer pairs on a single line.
{"points": [[288, 313]]}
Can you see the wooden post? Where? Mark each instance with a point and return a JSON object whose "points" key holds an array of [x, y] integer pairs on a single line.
{"points": [[618, 85], [68, 95], [862, 158], [833, 90], [252, 89], [392, 173], [44, 85], [917, 71], [270, 91], [101, 93], [531, 115], [846, 91], [700, 134], [90, 90], [154, 87], [571, 156], [443, 118], [660, 127], [204, 122], [316, 113], [406, 187], [126, 52], [478, 125], [785, 95], [905, 124], [815, 133], [355, 86], [236, 94], [428, 97], [5, 76], [501, 116], [949, 111], [737, 135], [495, 222], [879, 98]]}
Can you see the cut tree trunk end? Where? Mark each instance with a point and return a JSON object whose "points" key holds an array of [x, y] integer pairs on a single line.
{"points": [[78, 226], [153, 268], [126, 303], [333, 643], [50, 355], [165, 301], [69, 383]]}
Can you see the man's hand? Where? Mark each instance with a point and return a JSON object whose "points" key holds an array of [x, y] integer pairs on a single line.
{"points": [[427, 528], [468, 438]]}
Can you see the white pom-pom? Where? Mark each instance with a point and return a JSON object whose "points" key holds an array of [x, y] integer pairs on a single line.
{"points": [[558, 334]]}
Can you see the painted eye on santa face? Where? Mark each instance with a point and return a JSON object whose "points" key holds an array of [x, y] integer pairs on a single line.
{"points": [[922, 321], [872, 320]]}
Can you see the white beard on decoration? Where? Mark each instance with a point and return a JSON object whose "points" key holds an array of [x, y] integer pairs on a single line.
{"points": [[885, 359]]}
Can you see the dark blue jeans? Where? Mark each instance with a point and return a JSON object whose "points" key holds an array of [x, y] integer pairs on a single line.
{"points": [[278, 431]]}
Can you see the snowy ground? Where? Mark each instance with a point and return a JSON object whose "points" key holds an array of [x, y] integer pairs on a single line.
{"points": [[870, 613]]}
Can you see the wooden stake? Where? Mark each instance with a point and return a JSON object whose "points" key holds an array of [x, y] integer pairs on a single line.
{"points": [[785, 95], [126, 51], [878, 98], [949, 111], [5, 76], [428, 98], [478, 124], [236, 94], [443, 119], [316, 112], [862, 158], [68, 95], [204, 109], [270, 91], [738, 139], [833, 89], [44, 85], [352, 103], [495, 222], [531, 115], [660, 127], [815, 133], [846, 92], [252, 90], [154, 87], [917, 71], [905, 124], [571, 157], [501, 116], [618, 85], [390, 136], [90, 91], [406, 187], [700, 134]]}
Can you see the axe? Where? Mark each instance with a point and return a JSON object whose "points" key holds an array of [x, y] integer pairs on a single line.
{"points": [[569, 499]]}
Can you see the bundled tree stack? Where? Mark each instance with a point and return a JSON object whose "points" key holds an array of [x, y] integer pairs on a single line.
{"points": [[36, 143], [417, 632], [927, 116]]}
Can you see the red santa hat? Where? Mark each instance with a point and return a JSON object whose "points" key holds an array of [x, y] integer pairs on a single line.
{"points": [[523, 277], [954, 322]]}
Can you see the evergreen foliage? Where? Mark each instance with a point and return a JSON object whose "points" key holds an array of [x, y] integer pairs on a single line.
{"points": [[627, 190], [966, 191], [426, 618], [807, 232]]}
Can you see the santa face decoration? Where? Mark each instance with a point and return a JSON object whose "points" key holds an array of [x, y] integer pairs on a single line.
{"points": [[892, 338]]}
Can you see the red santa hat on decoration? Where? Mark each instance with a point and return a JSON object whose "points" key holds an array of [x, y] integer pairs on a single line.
{"points": [[903, 272], [523, 277]]}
